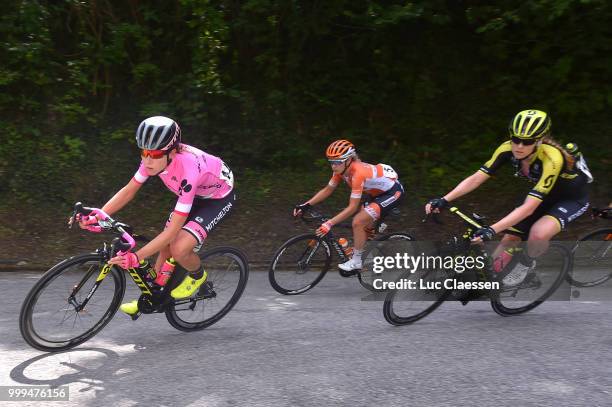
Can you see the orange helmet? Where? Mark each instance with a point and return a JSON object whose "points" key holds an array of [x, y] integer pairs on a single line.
{"points": [[340, 150]]}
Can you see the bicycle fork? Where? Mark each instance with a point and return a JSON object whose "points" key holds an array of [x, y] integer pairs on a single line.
{"points": [[72, 298]]}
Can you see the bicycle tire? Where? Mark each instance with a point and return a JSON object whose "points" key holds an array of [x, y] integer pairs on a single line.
{"points": [[390, 306], [32, 330], [280, 275], [505, 310], [219, 274], [603, 235], [366, 278]]}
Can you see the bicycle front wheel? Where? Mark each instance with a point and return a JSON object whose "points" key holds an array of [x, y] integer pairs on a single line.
{"points": [[228, 272], [367, 276], [592, 259], [299, 264], [63, 310], [550, 271], [406, 305]]}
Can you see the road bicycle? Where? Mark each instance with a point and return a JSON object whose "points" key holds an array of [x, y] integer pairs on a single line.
{"points": [[593, 255], [301, 262], [404, 306], [77, 297]]}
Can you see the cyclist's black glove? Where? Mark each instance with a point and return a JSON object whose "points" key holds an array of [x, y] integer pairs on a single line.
{"points": [[438, 203], [299, 209], [485, 233]]}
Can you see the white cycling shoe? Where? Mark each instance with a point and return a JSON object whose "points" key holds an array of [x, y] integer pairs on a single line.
{"points": [[352, 264], [517, 275]]}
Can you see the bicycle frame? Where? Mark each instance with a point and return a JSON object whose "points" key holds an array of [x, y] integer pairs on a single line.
{"points": [[331, 239], [106, 268], [464, 245], [119, 245], [485, 273], [333, 242]]}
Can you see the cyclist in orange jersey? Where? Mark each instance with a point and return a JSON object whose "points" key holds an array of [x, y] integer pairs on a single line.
{"points": [[378, 182]]}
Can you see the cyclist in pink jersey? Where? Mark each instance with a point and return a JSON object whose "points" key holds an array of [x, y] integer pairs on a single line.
{"points": [[204, 186], [379, 183]]}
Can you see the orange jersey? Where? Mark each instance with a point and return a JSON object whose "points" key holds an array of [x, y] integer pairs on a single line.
{"points": [[366, 178]]}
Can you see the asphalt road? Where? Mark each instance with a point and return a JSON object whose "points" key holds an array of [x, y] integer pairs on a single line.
{"points": [[326, 347]]}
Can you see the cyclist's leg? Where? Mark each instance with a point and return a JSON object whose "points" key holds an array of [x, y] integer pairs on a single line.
{"points": [[202, 219], [162, 256], [556, 219], [508, 262], [540, 235], [361, 221], [521, 231], [507, 241], [380, 206], [548, 220], [502, 255], [181, 248], [366, 218]]}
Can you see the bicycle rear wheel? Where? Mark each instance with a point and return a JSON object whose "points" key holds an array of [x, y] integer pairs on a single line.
{"points": [[592, 259], [228, 272], [367, 276], [50, 318], [550, 271], [299, 264], [405, 306]]}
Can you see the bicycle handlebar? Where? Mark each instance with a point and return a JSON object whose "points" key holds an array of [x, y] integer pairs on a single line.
{"points": [[454, 210], [313, 215], [128, 242], [316, 216]]}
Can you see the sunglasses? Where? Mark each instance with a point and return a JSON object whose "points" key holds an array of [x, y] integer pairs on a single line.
{"points": [[155, 154], [525, 142], [337, 162]]}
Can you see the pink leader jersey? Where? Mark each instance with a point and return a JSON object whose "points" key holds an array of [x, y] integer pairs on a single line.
{"points": [[193, 174]]}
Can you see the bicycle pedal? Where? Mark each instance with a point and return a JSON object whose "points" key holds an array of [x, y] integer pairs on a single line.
{"points": [[350, 273]]}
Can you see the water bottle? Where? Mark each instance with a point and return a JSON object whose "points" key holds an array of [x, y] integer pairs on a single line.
{"points": [[345, 246], [572, 148], [166, 271], [581, 164]]}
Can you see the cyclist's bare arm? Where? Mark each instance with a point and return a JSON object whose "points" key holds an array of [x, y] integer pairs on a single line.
{"points": [[322, 195], [161, 241], [463, 188], [118, 201], [518, 214], [122, 197], [467, 185], [353, 206]]}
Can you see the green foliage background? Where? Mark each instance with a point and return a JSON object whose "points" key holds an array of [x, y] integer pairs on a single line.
{"points": [[426, 86]]}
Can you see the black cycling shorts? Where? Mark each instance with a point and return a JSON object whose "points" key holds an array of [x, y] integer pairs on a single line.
{"points": [[563, 211], [205, 215], [378, 207]]}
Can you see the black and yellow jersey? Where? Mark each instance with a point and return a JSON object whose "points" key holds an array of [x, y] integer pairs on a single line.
{"points": [[547, 169]]}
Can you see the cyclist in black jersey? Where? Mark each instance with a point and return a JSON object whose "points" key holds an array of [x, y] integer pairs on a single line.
{"points": [[559, 196]]}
